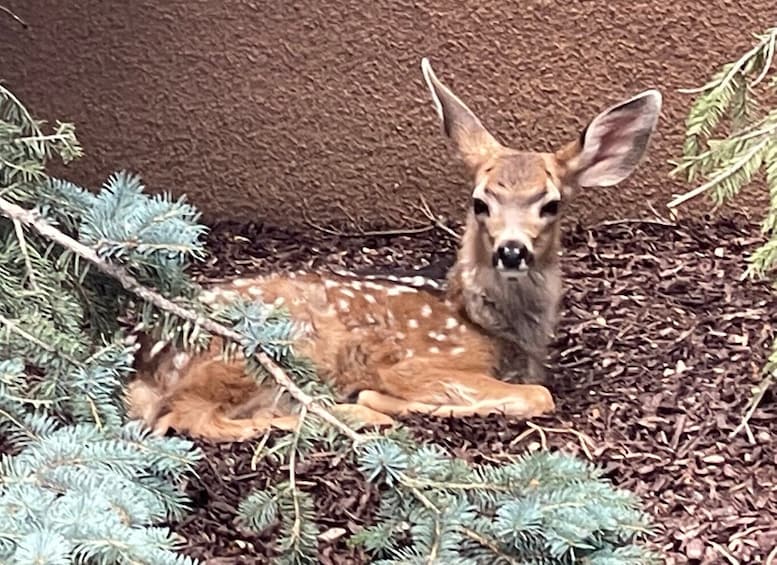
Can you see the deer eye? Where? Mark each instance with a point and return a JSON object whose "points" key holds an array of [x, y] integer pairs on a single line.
{"points": [[549, 209], [479, 207]]}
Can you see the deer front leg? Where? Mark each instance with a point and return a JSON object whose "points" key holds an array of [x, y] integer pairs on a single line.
{"points": [[517, 364], [455, 393]]}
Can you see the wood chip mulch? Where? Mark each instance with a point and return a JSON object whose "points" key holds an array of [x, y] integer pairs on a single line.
{"points": [[657, 356]]}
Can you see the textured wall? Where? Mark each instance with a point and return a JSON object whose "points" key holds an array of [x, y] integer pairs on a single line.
{"points": [[261, 109]]}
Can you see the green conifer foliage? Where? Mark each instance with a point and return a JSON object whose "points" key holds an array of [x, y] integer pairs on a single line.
{"points": [[730, 138], [77, 482]]}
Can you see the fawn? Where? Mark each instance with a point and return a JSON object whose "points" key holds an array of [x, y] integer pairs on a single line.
{"points": [[392, 348]]}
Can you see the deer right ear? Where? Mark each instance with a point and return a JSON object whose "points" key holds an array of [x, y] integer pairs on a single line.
{"points": [[472, 141], [613, 143]]}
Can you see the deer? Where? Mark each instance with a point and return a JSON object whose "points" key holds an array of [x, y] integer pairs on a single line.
{"points": [[392, 347]]}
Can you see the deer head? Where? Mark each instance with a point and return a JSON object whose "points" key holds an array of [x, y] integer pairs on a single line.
{"points": [[518, 196]]}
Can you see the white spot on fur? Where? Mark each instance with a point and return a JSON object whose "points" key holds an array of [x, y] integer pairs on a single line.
{"points": [[280, 301], [230, 295], [400, 335], [180, 359], [370, 298], [434, 349], [463, 328], [370, 319], [292, 275], [397, 290], [409, 353], [158, 346], [373, 286], [412, 324], [329, 283], [347, 292], [356, 285], [458, 350], [392, 278], [343, 305], [240, 283], [208, 297], [426, 310], [451, 323], [255, 291], [437, 336]]}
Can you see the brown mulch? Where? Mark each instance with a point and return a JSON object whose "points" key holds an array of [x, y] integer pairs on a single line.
{"points": [[658, 352]]}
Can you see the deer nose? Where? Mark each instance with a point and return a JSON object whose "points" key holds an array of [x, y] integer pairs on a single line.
{"points": [[511, 254]]}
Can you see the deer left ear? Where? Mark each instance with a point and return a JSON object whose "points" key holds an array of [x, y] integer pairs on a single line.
{"points": [[472, 141], [613, 143]]}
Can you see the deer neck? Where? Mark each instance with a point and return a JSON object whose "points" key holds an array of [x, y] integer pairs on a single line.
{"points": [[520, 310]]}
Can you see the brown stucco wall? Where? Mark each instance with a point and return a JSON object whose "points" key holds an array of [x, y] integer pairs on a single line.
{"points": [[258, 109]]}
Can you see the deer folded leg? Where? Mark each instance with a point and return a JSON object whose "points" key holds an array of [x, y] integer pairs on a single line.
{"points": [[453, 393], [200, 418], [361, 415]]}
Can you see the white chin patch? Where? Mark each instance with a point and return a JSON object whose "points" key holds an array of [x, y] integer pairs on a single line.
{"points": [[511, 274]]}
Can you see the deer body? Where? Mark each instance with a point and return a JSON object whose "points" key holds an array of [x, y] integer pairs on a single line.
{"points": [[391, 348]]}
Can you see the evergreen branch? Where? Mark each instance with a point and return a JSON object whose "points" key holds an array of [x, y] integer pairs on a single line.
{"points": [[767, 64], [26, 117], [14, 327], [490, 544], [23, 248], [765, 40], [131, 284], [420, 482], [18, 424], [720, 177]]}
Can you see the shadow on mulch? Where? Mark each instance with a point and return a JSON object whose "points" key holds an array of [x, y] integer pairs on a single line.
{"points": [[658, 351]]}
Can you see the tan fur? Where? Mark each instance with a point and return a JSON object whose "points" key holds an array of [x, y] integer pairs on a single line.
{"points": [[397, 349]]}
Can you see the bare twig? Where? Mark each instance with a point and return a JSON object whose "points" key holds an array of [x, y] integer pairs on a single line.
{"points": [[364, 233], [427, 211], [763, 386], [14, 16], [772, 557], [33, 219], [722, 550], [296, 527], [655, 222], [586, 443]]}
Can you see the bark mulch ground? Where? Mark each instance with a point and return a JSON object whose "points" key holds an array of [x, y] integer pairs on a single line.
{"points": [[658, 352]]}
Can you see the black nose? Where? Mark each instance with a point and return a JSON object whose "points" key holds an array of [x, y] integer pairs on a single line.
{"points": [[511, 254]]}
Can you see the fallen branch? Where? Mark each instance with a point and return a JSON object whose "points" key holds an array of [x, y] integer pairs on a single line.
{"points": [[33, 219]]}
